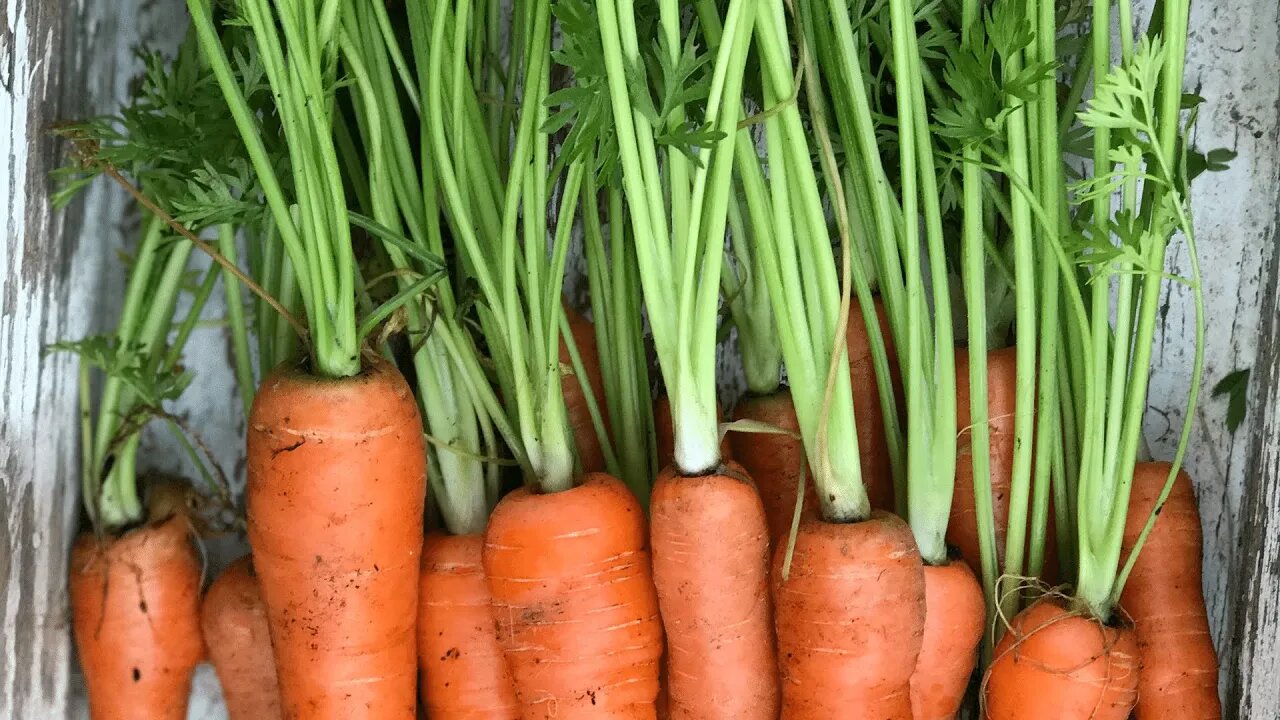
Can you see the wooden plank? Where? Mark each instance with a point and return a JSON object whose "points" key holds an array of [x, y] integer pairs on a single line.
{"points": [[1229, 63], [1252, 662], [58, 59]]}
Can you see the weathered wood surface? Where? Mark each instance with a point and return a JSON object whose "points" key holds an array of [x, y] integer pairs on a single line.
{"points": [[48, 68], [1234, 48], [1252, 658]]}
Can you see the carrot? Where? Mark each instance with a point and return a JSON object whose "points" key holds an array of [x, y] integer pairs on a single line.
{"points": [[464, 674], [337, 476], [850, 619], [877, 469], [1056, 663], [666, 440], [773, 461], [135, 608], [710, 565], [575, 400], [953, 628], [962, 529], [573, 597], [1179, 675], [234, 621]]}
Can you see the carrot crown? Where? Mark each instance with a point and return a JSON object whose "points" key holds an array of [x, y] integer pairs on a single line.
{"points": [[678, 214]]}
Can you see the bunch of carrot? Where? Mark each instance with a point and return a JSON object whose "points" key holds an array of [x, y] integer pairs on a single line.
{"points": [[462, 494]]}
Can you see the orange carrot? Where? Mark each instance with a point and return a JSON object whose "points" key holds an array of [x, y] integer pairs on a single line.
{"points": [[873, 448], [135, 608], [710, 565], [573, 597], [464, 674], [850, 619], [1056, 663], [666, 441], [575, 399], [774, 462], [1163, 596], [234, 620], [954, 619], [962, 529], [1002, 386], [337, 478]]}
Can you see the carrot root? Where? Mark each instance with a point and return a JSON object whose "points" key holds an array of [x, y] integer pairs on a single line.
{"points": [[588, 443], [464, 673], [710, 565], [774, 462], [337, 481], [873, 443], [574, 601], [135, 607], [1179, 675], [962, 528], [234, 620], [954, 618], [850, 620], [1055, 663]]}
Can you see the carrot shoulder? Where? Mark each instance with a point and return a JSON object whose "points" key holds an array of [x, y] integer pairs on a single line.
{"points": [[337, 477], [954, 617], [1055, 663], [775, 462], [1163, 596], [710, 566], [575, 399], [573, 598], [234, 620], [135, 607], [464, 673], [850, 620]]}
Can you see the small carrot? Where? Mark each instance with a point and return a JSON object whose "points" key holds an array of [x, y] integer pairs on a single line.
{"points": [[873, 448], [1002, 386], [337, 478], [1057, 663], [575, 400], [954, 619], [1163, 596], [135, 608], [962, 529], [850, 619], [574, 602], [666, 439], [464, 673], [710, 566], [774, 461], [234, 620]]}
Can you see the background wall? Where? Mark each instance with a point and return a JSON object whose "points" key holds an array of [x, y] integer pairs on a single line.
{"points": [[68, 58]]}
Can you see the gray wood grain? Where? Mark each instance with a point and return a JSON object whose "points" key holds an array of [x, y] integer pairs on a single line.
{"points": [[1253, 657], [1233, 50]]}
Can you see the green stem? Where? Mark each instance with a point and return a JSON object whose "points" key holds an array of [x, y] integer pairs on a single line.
{"points": [[236, 320]]}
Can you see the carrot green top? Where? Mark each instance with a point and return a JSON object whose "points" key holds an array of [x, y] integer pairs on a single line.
{"points": [[297, 44], [1135, 115], [676, 167]]}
